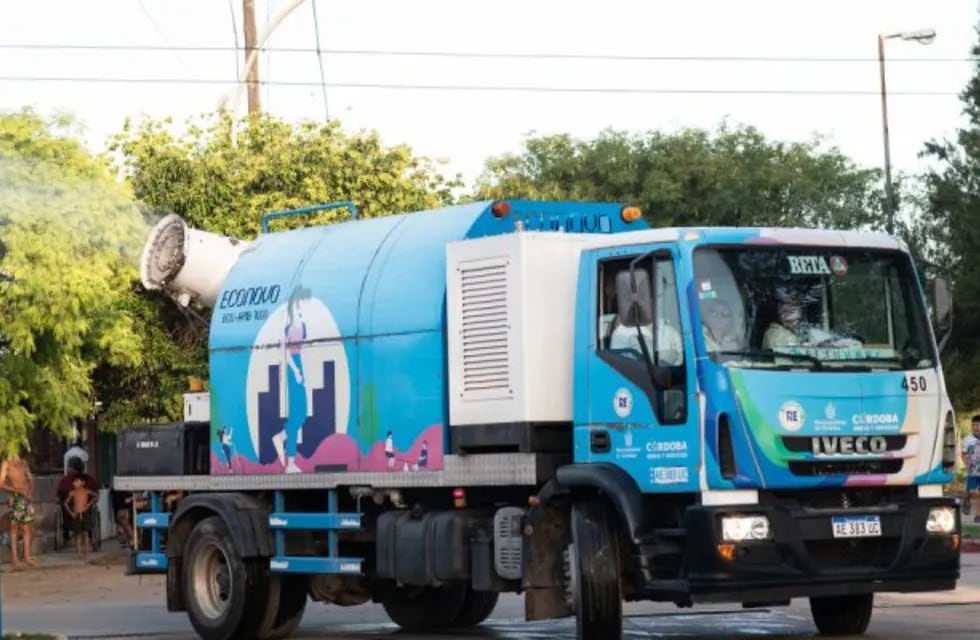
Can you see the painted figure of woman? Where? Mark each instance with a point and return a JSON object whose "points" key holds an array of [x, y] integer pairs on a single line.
{"points": [[293, 338]]}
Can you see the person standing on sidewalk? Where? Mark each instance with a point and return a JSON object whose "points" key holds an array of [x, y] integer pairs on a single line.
{"points": [[17, 480], [971, 458]]}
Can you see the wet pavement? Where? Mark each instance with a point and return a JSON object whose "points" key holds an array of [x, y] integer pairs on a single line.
{"points": [[953, 615]]}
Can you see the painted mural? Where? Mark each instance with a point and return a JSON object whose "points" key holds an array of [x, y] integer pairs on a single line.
{"points": [[294, 414]]}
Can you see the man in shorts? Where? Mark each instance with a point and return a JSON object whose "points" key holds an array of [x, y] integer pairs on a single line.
{"points": [[16, 479]]}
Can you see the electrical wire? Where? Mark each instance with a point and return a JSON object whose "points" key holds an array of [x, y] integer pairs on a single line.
{"points": [[492, 88], [319, 55], [479, 54]]}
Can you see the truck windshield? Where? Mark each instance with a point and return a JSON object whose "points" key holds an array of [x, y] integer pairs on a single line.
{"points": [[823, 308]]}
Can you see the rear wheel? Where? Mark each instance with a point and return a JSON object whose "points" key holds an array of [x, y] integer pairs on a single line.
{"points": [[286, 604], [225, 595], [842, 615], [594, 572], [477, 607], [422, 609]]}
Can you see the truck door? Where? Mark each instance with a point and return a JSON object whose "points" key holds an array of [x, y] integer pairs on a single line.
{"points": [[636, 405]]}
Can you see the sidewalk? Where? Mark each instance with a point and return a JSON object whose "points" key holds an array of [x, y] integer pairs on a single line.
{"points": [[111, 553]]}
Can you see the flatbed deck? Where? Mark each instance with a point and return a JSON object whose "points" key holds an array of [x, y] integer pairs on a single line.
{"points": [[485, 469]]}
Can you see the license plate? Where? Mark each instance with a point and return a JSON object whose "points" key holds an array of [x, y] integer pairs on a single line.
{"points": [[857, 527]]}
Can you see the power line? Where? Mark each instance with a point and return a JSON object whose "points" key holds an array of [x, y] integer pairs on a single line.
{"points": [[477, 54], [479, 88]]}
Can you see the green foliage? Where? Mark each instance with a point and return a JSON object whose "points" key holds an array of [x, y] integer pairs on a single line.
{"points": [[952, 223], [225, 174], [72, 234], [695, 177]]}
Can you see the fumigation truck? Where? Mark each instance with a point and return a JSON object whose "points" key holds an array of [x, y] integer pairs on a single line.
{"points": [[551, 399]]}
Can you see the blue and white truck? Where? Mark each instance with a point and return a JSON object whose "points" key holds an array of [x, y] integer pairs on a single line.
{"points": [[553, 399]]}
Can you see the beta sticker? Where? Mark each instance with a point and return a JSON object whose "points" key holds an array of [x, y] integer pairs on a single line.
{"points": [[623, 403], [808, 266], [791, 416]]}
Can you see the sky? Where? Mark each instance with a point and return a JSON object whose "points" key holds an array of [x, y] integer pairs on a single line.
{"points": [[790, 68]]}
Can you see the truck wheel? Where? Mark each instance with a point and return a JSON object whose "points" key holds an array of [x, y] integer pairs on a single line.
{"points": [[477, 607], [594, 572], [422, 609], [225, 594], [842, 615], [286, 605]]}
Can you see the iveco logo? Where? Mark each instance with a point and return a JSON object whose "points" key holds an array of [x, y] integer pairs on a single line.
{"points": [[845, 445], [148, 444]]}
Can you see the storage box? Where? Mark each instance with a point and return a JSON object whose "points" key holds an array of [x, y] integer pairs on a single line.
{"points": [[197, 407], [175, 449]]}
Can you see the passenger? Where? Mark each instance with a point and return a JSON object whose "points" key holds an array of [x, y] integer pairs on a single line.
{"points": [[718, 326], [670, 350]]}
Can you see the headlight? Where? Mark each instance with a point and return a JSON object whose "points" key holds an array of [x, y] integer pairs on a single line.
{"points": [[941, 520], [741, 528]]}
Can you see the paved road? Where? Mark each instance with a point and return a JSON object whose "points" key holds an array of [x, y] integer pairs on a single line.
{"points": [[953, 615]]}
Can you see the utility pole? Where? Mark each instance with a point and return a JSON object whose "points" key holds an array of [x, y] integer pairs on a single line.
{"points": [[251, 38]]}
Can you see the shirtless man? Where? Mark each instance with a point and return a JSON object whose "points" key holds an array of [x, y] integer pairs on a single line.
{"points": [[79, 504], [17, 480]]}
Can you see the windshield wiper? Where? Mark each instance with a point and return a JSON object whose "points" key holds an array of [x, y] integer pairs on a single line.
{"points": [[772, 355]]}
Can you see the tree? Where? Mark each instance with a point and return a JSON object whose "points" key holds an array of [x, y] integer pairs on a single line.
{"points": [[695, 177], [952, 219], [71, 233], [224, 174]]}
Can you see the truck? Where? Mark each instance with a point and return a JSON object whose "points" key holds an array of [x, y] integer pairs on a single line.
{"points": [[552, 399]]}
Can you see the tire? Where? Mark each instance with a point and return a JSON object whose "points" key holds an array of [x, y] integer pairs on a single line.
{"points": [[225, 595], [842, 615], [477, 607], [423, 609], [597, 590], [287, 598]]}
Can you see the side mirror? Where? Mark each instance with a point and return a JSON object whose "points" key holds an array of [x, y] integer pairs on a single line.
{"points": [[942, 310]]}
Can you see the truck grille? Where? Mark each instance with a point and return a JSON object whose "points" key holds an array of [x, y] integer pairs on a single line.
{"points": [[852, 554], [845, 467], [805, 444]]}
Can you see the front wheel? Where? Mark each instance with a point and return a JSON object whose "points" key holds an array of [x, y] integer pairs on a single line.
{"points": [[842, 615], [594, 572], [477, 607], [224, 593]]}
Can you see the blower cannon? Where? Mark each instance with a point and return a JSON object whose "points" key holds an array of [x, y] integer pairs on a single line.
{"points": [[190, 264]]}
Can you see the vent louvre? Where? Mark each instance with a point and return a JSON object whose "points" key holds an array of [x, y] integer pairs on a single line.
{"points": [[485, 328]]}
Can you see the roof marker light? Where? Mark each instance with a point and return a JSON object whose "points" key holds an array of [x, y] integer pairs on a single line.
{"points": [[630, 214]]}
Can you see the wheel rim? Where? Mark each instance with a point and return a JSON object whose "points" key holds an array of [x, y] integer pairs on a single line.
{"points": [[212, 581]]}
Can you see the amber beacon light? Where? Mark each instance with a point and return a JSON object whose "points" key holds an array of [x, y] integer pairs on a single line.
{"points": [[630, 214]]}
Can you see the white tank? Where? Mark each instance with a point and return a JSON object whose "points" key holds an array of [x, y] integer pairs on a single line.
{"points": [[190, 264]]}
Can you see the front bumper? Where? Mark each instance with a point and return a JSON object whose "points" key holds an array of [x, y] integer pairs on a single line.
{"points": [[803, 559]]}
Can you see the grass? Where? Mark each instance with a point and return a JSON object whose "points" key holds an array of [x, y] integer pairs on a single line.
{"points": [[29, 636]]}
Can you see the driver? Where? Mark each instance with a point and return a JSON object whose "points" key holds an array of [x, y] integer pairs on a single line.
{"points": [[785, 332]]}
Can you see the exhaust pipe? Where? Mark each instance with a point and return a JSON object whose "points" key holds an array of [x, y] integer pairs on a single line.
{"points": [[187, 263]]}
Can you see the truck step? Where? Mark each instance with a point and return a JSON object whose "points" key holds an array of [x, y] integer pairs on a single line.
{"points": [[674, 533], [153, 521], [149, 562], [314, 521], [315, 565]]}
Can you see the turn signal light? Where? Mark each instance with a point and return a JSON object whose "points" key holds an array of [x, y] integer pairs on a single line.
{"points": [[500, 208], [630, 214], [727, 551]]}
